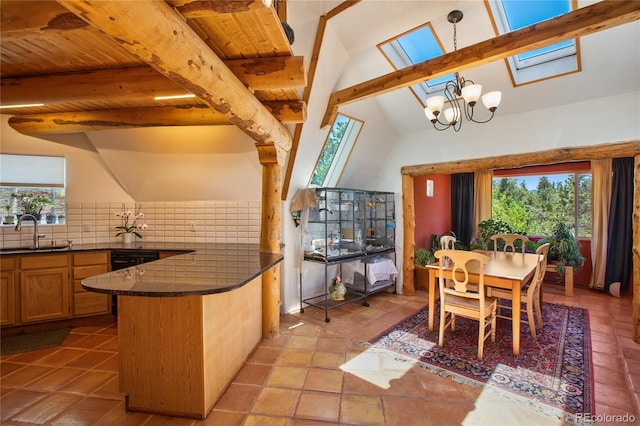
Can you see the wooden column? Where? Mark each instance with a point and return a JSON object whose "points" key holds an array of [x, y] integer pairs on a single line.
{"points": [[409, 229], [270, 242], [636, 253]]}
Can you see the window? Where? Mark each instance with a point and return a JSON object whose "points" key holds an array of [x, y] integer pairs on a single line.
{"points": [[550, 61], [415, 46], [532, 204], [27, 177], [336, 151]]}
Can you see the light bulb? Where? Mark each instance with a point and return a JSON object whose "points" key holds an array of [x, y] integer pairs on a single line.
{"points": [[491, 100], [452, 115], [435, 104], [429, 115], [471, 93]]}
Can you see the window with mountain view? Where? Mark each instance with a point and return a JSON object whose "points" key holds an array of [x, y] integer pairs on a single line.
{"points": [[532, 204]]}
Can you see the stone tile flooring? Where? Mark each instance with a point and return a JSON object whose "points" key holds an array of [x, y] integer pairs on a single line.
{"points": [[314, 373]]}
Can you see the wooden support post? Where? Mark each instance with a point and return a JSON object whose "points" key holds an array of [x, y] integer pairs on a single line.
{"points": [[270, 242], [409, 229], [636, 253]]}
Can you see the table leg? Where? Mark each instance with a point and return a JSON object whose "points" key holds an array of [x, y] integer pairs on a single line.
{"points": [[515, 312], [432, 297]]}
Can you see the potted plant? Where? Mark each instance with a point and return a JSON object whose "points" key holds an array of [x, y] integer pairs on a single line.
{"points": [[487, 228], [130, 225], [32, 203], [564, 249], [423, 257], [8, 217], [51, 216]]}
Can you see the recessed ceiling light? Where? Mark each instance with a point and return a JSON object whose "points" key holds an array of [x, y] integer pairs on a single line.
{"points": [[162, 98], [21, 106]]}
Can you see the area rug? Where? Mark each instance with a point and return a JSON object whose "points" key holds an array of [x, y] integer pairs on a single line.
{"points": [[33, 341], [553, 373]]}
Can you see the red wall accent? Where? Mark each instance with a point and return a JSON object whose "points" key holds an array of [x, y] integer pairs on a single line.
{"points": [[433, 214]]}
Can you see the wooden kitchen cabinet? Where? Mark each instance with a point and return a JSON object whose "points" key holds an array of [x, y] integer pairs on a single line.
{"points": [[87, 265], [8, 293], [44, 288]]}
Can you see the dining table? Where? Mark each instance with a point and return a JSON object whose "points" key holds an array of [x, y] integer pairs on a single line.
{"points": [[504, 270]]}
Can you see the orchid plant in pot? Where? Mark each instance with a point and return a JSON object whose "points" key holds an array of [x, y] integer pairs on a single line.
{"points": [[131, 224]]}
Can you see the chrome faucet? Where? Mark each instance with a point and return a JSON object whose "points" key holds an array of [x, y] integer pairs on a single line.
{"points": [[36, 241]]}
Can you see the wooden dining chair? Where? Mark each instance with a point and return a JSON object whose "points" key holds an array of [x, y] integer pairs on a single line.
{"points": [[509, 241], [448, 242], [460, 301], [530, 298]]}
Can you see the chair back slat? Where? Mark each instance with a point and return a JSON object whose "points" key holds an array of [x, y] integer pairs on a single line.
{"points": [[459, 260], [509, 241]]}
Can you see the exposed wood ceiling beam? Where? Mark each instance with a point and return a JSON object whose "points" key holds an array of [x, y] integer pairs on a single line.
{"points": [[203, 8], [142, 82], [70, 122], [42, 16], [180, 54], [590, 19], [178, 115]]}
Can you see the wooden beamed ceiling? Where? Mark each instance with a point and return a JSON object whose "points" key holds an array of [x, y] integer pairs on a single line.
{"points": [[234, 56], [580, 22]]}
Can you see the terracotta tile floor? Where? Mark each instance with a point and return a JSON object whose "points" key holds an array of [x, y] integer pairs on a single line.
{"points": [[312, 375]]}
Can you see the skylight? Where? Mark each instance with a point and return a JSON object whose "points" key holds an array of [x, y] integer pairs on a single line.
{"points": [[550, 61], [413, 47]]}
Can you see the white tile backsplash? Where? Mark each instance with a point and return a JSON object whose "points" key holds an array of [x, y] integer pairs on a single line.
{"points": [[168, 221]]}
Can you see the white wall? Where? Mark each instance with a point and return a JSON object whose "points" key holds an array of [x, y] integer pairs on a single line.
{"points": [[88, 177], [599, 121]]}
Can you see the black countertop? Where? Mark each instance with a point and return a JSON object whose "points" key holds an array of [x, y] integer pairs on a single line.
{"points": [[204, 269]]}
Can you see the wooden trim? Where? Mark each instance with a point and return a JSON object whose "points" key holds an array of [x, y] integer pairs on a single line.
{"points": [[552, 156]]}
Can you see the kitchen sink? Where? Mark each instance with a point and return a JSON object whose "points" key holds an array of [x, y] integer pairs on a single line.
{"points": [[29, 249]]}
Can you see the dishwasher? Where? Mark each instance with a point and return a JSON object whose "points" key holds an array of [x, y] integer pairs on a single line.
{"points": [[121, 259]]}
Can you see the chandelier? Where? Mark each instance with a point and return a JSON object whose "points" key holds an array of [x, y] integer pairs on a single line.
{"points": [[469, 91]]}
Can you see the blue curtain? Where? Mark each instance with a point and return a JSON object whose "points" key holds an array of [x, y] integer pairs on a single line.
{"points": [[462, 206], [620, 244]]}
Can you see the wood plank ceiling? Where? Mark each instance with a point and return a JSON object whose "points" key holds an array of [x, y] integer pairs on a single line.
{"points": [[99, 64]]}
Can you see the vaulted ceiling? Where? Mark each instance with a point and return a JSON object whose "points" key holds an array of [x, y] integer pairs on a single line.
{"points": [[99, 64]]}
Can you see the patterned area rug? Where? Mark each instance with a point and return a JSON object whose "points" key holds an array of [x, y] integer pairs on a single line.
{"points": [[553, 373]]}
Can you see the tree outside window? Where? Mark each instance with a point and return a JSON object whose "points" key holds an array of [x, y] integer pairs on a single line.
{"points": [[533, 204]]}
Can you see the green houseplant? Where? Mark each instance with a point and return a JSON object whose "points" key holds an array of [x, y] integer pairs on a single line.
{"points": [[32, 202], [424, 257], [564, 248], [487, 228]]}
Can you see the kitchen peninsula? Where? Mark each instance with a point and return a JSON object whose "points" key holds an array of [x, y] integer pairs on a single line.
{"points": [[186, 324]]}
